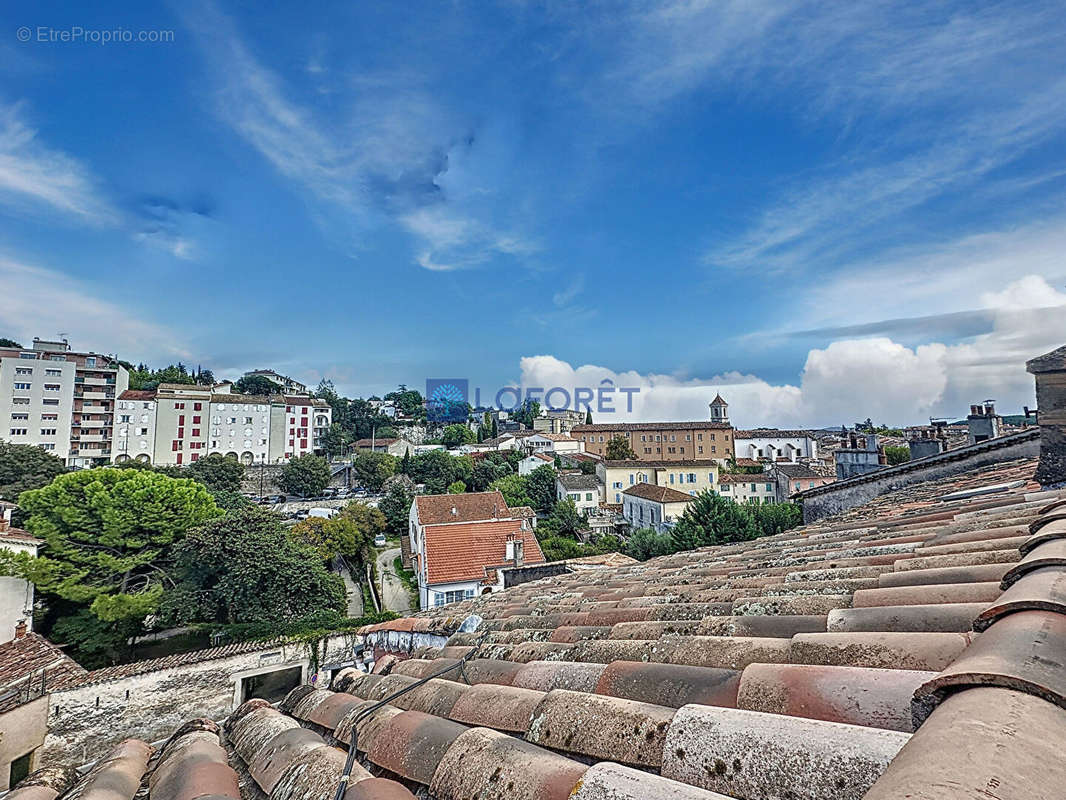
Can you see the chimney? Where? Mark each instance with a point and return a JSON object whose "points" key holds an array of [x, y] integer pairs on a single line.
{"points": [[20, 629], [1049, 370]]}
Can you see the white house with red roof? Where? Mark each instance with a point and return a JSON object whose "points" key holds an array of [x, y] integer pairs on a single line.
{"points": [[459, 542], [16, 594]]}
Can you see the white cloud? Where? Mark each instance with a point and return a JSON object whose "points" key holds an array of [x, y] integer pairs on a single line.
{"points": [[853, 379], [32, 171], [44, 302]]}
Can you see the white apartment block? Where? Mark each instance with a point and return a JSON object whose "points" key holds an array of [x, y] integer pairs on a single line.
{"points": [[60, 400], [178, 424]]}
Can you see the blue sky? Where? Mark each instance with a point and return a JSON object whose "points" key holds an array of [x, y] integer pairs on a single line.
{"points": [[827, 212]]}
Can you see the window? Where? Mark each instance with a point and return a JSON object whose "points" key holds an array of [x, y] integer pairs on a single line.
{"points": [[23, 386], [27, 355], [20, 401], [769, 487], [47, 446], [197, 406], [20, 416], [699, 450], [124, 418], [588, 497], [23, 370], [90, 361], [48, 431], [50, 402], [51, 387], [247, 420], [196, 432], [179, 406], [18, 431], [53, 373], [671, 477], [195, 420], [142, 431], [692, 477]]}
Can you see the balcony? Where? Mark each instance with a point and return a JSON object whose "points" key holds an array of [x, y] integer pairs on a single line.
{"points": [[91, 437], [94, 423], [95, 394], [91, 409]]}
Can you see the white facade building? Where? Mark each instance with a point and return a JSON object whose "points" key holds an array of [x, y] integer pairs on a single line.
{"points": [[774, 445], [178, 425], [16, 594]]}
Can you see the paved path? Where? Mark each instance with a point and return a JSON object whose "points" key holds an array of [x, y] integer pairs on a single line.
{"points": [[355, 592], [394, 595]]}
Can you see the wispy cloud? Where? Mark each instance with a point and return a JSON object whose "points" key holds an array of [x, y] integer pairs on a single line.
{"points": [[48, 301], [385, 157], [32, 174]]}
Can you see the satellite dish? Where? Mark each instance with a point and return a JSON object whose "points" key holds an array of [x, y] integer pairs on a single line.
{"points": [[470, 624]]}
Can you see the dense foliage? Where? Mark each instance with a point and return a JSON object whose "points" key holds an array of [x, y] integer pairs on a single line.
{"points": [[246, 567], [144, 377], [349, 534], [218, 473], [24, 467], [305, 475], [108, 535], [618, 449], [256, 384], [396, 505], [455, 435], [897, 454], [373, 469]]}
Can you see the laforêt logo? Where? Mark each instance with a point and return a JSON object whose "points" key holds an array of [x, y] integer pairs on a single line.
{"points": [[447, 399]]}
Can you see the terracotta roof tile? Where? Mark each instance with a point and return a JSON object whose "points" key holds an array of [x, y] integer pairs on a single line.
{"points": [[658, 494], [436, 509], [463, 551]]}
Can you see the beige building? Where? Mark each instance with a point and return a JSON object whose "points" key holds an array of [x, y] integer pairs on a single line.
{"points": [[657, 507], [662, 441], [689, 477], [756, 488]]}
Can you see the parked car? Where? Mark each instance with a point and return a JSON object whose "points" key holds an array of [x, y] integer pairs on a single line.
{"points": [[342, 494], [379, 540], [324, 513], [328, 493], [273, 499]]}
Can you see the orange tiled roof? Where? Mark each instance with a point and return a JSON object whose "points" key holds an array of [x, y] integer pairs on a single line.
{"points": [[463, 552], [436, 509]]}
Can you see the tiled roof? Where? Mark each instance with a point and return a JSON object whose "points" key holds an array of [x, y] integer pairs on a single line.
{"points": [[463, 552], [24, 661], [137, 394], [742, 477], [770, 433], [697, 462], [910, 648], [578, 482], [746, 462], [436, 509], [651, 426], [797, 471], [658, 494]]}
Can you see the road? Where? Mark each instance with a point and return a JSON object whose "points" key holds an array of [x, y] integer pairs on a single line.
{"points": [[394, 596]]}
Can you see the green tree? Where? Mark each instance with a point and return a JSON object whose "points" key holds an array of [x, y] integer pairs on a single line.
{"points": [[773, 518], [92, 642], [247, 568], [305, 475], [144, 377], [369, 519], [5, 342], [218, 473], [232, 501], [565, 519], [455, 435], [396, 506], [340, 536], [458, 487], [24, 467], [514, 489], [648, 543], [540, 486], [335, 440], [711, 519], [898, 454], [373, 469], [256, 384], [588, 416], [618, 449], [108, 536], [487, 470], [438, 469], [405, 463]]}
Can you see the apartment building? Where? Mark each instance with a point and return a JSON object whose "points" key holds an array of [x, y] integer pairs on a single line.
{"points": [[769, 444], [662, 441], [60, 400], [755, 489], [178, 424]]}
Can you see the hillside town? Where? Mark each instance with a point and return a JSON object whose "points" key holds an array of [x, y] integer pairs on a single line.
{"points": [[260, 479], [533, 400]]}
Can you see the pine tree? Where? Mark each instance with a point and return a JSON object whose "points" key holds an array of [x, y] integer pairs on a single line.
{"points": [[588, 416]]}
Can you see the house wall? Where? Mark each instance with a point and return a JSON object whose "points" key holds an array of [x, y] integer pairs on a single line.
{"points": [[135, 424], [840, 496], [586, 500], [654, 444], [433, 595], [616, 479], [783, 446], [16, 596], [26, 727], [761, 489], [86, 721]]}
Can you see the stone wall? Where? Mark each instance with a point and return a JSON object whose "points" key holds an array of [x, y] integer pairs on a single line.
{"points": [[85, 721], [270, 472], [833, 498]]}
